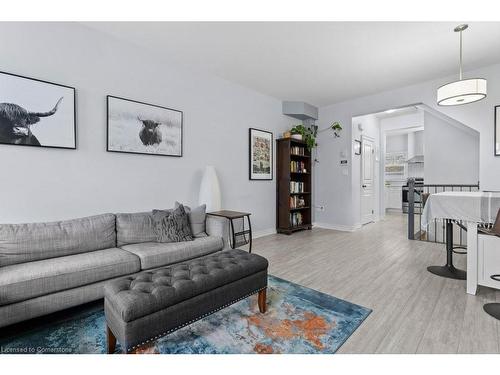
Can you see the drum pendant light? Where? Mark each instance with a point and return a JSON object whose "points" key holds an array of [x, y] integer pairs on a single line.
{"points": [[463, 91]]}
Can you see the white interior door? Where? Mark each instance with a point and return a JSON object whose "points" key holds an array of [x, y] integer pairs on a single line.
{"points": [[367, 180]]}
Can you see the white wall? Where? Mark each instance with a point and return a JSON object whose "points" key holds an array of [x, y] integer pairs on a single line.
{"points": [[49, 184], [396, 143], [419, 145], [334, 190], [451, 153], [409, 120]]}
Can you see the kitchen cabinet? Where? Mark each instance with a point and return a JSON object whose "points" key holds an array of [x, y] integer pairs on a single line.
{"points": [[393, 195]]}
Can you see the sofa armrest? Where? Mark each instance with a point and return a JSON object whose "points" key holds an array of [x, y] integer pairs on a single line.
{"points": [[218, 226]]}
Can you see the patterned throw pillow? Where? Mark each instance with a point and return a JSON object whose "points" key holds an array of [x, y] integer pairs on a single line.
{"points": [[197, 217], [172, 226]]}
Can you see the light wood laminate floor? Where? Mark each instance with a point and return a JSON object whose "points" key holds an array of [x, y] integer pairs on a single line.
{"points": [[377, 267]]}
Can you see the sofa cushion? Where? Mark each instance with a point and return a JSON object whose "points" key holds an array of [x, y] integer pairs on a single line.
{"points": [[157, 254], [172, 226], [20, 243], [20, 282], [134, 228], [197, 217]]}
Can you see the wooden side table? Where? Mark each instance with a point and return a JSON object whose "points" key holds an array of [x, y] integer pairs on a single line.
{"points": [[231, 216]]}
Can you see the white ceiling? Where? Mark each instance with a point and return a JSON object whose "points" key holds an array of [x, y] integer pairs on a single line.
{"points": [[396, 112], [319, 62]]}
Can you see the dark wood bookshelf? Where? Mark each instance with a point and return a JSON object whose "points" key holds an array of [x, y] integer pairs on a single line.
{"points": [[287, 215]]}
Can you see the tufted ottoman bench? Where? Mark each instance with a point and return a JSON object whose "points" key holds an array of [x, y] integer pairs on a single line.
{"points": [[144, 307]]}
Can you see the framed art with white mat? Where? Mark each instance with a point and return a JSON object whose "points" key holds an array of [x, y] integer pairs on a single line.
{"points": [[260, 145]]}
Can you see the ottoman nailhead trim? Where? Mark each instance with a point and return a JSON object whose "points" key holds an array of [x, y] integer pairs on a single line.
{"points": [[195, 319]]}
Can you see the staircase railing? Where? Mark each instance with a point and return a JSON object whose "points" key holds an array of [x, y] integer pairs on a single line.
{"points": [[436, 231]]}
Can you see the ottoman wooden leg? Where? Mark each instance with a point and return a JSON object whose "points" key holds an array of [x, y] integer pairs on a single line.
{"points": [[262, 300], [111, 341]]}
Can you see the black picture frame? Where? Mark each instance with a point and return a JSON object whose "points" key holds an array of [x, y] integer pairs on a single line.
{"points": [[150, 105], [73, 103], [251, 175], [496, 114], [357, 147]]}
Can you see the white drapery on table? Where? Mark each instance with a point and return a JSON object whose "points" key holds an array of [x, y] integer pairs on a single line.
{"points": [[470, 209], [475, 207]]}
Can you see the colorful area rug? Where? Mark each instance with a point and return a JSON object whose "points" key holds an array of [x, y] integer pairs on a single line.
{"points": [[298, 320]]}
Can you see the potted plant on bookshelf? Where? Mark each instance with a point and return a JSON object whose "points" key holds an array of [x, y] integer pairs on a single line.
{"points": [[306, 135]]}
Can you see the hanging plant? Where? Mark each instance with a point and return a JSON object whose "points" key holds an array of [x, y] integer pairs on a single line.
{"points": [[336, 127]]}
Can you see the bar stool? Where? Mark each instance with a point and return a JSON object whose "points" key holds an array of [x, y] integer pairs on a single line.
{"points": [[460, 247], [493, 309], [448, 270]]}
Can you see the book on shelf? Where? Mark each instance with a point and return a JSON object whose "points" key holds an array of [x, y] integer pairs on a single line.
{"points": [[296, 187], [297, 150], [297, 201], [296, 219], [298, 166]]}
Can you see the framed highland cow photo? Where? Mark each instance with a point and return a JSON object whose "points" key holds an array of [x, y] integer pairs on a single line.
{"points": [[36, 113], [260, 154], [140, 128]]}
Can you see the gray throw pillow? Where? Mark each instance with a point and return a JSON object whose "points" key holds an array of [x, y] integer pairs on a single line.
{"points": [[172, 226], [197, 217]]}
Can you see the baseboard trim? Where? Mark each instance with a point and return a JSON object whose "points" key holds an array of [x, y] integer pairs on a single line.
{"points": [[340, 227], [263, 232]]}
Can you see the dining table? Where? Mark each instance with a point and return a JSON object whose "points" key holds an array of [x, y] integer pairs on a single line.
{"points": [[469, 209]]}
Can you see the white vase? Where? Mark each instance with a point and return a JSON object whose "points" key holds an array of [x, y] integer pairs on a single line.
{"points": [[210, 190]]}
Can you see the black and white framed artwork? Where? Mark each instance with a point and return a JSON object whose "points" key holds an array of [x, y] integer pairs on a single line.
{"points": [[141, 128], [36, 113]]}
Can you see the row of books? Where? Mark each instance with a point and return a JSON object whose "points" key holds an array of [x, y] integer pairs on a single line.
{"points": [[296, 219], [297, 150], [297, 187], [297, 201], [298, 166]]}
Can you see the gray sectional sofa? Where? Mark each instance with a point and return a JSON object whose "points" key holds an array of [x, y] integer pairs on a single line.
{"points": [[47, 267]]}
